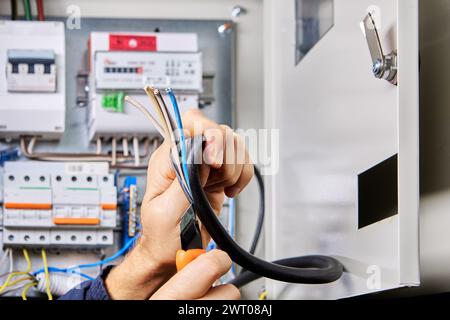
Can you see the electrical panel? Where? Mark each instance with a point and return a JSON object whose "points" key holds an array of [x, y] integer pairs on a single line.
{"points": [[32, 84], [70, 208], [123, 63], [58, 204]]}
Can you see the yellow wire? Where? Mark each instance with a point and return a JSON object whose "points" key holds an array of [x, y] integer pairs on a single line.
{"points": [[149, 91], [263, 295], [19, 281], [13, 274], [26, 288], [47, 275]]}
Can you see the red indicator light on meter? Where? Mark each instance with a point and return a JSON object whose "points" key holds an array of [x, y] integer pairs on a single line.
{"points": [[124, 42]]}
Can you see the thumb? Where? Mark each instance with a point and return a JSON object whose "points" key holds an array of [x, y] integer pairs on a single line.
{"points": [[197, 278], [173, 199], [160, 172]]}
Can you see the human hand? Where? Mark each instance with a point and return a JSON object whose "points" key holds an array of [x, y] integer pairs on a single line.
{"points": [[196, 280], [226, 170]]}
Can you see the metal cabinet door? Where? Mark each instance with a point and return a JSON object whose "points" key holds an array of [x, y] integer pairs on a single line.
{"points": [[347, 182]]}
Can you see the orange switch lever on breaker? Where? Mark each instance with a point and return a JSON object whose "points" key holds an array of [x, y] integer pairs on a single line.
{"points": [[183, 258]]}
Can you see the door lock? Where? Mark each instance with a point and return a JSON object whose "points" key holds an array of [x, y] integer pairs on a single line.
{"points": [[383, 66]]}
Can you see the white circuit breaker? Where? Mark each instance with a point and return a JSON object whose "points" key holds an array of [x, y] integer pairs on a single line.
{"points": [[123, 63], [58, 204], [32, 79], [31, 71]]}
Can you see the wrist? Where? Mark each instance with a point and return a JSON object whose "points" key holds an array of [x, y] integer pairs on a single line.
{"points": [[138, 276]]}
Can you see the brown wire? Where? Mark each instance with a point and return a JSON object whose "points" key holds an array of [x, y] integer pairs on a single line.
{"points": [[69, 156]]}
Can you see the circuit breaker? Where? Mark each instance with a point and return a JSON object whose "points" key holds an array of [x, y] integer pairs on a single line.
{"points": [[32, 79], [31, 71], [58, 204], [123, 63]]}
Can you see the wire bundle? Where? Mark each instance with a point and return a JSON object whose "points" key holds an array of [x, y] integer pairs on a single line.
{"points": [[25, 282], [27, 10], [8, 282], [170, 126]]}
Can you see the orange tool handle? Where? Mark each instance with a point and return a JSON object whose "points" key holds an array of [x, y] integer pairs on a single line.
{"points": [[183, 258]]}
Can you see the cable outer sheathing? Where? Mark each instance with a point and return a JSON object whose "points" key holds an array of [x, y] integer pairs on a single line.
{"points": [[315, 269], [60, 284]]}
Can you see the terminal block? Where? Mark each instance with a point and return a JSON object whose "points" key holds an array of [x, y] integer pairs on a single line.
{"points": [[128, 197], [49, 204]]}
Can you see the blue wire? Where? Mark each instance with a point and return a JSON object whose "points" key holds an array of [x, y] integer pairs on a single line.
{"points": [[71, 272], [90, 265], [211, 245], [176, 110], [54, 269], [107, 260]]}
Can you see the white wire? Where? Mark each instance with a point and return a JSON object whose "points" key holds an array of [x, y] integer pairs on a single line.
{"points": [[31, 145], [114, 151], [146, 113], [5, 255], [61, 157], [15, 288], [155, 145], [11, 261], [99, 145], [125, 147], [136, 151], [153, 95]]}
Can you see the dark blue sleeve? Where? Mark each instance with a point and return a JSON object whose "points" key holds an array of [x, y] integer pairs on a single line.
{"points": [[90, 290]]}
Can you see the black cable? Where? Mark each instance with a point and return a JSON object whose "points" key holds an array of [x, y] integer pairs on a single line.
{"points": [[311, 270], [245, 277], [13, 9], [261, 210], [261, 213]]}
